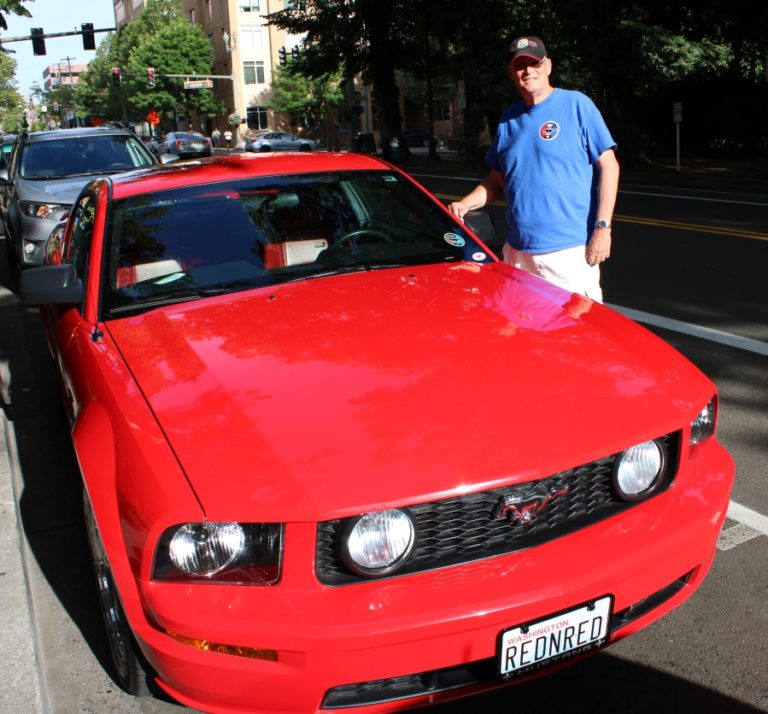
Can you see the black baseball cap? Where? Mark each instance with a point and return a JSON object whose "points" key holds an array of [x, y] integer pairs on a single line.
{"points": [[527, 47]]}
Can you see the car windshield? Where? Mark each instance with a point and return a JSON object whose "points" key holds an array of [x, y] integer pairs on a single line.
{"points": [[82, 156], [190, 242]]}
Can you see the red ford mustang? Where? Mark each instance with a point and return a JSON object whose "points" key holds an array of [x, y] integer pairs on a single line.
{"points": [[335, 455]]}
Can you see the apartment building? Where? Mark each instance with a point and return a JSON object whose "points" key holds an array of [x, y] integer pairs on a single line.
{"points": [[62, 74]]}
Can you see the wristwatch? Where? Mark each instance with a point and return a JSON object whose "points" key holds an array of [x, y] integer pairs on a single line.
{"points": [[602, 224]]}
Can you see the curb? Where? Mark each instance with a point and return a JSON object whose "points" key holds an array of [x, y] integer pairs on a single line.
{"points": [[21, 692]]}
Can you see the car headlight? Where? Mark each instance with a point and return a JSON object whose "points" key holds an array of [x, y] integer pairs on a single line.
{"points": [[220, 552], [637, 472], [377, 543], [41, 210], [703, 426]]}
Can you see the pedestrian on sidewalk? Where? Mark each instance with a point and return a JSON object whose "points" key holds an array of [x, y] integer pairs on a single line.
{"points": [[228, 138], [548, 148], [215, 138]]}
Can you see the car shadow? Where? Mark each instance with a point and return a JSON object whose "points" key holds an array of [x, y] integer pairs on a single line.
{"points": [[52, 521]]}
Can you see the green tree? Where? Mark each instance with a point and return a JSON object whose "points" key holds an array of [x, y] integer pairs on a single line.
{"points": [[95, 94], [11, 101], [12, 7], [362, 37], [178, 47], [160, 37], [305, 98]]}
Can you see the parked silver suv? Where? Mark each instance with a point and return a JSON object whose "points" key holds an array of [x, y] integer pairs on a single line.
{"points": [[44, 176]]}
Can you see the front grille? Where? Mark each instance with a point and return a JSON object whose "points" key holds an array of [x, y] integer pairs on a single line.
{"points": [[459, 530]]}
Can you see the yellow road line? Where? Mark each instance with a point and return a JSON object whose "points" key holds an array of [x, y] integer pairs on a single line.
{"points": [[659, 223]]}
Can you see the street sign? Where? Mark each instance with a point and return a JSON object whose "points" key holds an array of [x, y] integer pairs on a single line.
{"points": [[198, 84], [677, 112]]}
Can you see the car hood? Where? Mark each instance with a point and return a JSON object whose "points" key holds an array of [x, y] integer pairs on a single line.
{"points": [[322, 398], [63, 191]]}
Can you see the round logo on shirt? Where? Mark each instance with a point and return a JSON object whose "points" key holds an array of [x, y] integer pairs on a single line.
{"points": [[549, 130]]}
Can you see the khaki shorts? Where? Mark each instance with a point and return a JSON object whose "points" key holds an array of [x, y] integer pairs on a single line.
{"points": [[567, 268]]}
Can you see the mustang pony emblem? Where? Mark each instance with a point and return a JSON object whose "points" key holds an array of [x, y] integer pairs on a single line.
{"points": [[526, 504]]}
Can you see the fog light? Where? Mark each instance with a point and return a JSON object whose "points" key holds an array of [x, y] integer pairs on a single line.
{"points": [[638, 470], [379, 542], [30, 248]]}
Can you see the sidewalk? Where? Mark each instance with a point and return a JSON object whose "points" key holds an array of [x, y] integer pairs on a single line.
{"points": [[21, 691]]}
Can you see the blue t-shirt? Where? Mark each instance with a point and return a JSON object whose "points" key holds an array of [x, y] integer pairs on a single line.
{"points": [[546, 153]]}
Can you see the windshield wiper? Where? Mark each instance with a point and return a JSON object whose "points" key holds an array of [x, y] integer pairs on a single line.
{"points": [[346, 269], [171, 298]]}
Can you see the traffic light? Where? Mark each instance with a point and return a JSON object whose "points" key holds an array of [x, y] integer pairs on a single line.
{"points": [[38, 40], [150, 76], [282, 57], [117, 77], [295, 53], [89, 39]]}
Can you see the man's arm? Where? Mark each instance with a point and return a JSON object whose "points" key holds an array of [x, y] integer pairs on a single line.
{"points": [[599, 245], [483, 194]]}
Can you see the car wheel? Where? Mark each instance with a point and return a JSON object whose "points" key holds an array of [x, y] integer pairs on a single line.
{"points": [[129, 668], [305, 147], [264, 149]]}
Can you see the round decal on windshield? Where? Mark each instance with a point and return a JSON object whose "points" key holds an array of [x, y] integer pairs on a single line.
{"points": [[454, 240]]}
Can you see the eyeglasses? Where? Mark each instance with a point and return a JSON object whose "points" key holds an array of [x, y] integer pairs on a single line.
{"points": [[527, 63]]}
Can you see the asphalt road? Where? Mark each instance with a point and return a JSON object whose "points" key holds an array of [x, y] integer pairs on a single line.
{"points": [[686, 259]]}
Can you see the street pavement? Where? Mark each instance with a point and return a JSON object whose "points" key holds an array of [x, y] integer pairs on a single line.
{"points": [[23, 689]]}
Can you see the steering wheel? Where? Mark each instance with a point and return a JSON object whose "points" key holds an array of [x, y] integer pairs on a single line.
{"points": [[352, 236]]}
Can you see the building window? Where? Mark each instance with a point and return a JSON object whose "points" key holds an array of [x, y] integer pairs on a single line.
{"points": [[250, 37], [253, 72], [295, 5], [441, 110], [209, 9], [256, 117], [192, 16], [250, 5]]}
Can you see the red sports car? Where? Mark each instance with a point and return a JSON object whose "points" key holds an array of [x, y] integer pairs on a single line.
{"points": [[336, 456]]}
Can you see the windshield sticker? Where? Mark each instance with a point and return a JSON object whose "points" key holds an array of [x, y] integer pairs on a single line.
{"points": [[172, 278], [454, 240], [391, 178], [479, 256]]}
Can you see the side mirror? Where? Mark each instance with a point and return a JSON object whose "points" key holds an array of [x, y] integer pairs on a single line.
{"points": [[51, 285]]}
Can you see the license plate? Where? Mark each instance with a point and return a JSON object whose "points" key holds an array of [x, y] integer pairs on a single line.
{"points": [[537, 644]]}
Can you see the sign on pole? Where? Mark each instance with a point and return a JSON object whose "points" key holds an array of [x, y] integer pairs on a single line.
{"points": [[198, 84], [677, 118]]}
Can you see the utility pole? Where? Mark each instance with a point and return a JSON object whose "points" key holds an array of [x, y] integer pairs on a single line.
{"points": [[70, 86]]}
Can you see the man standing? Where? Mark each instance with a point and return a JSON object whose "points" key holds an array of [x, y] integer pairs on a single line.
{"points": [[548, 149]]}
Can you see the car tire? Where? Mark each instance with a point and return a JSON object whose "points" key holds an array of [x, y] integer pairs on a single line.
{"points": [[305, 147], [265, 149], [129, 668]]}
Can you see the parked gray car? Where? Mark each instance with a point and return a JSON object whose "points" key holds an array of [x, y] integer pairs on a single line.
{"points": [[45, 173], [278, 141]]}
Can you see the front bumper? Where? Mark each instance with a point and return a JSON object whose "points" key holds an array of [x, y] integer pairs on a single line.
{"points": [[369, 645]]}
